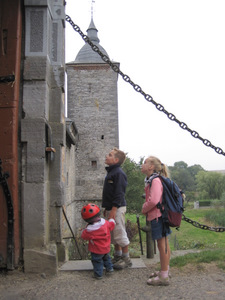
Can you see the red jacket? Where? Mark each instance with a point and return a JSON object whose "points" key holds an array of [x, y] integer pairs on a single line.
{"points": [[98, 235]]}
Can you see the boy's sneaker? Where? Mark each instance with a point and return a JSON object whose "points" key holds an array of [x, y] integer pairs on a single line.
{"points": [[116, 258], [124, 262]]}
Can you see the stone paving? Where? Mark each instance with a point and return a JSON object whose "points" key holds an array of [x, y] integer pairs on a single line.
{"points": [[75, 281]]}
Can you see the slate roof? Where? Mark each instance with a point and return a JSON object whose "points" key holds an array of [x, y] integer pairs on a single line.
{"points": [[86, 54]]}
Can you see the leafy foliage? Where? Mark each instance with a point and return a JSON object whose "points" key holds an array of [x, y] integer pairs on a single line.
{"points": [[131, 229], [195, 182], [135, 188], [184, 176], [210, 185]]}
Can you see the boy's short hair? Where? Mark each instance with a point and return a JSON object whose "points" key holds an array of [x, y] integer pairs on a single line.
{"points": [[120, 155]]}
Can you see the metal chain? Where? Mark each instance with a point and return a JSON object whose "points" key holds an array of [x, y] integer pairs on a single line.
{"points": [[201, 226], [159, 106], [138, 89]]}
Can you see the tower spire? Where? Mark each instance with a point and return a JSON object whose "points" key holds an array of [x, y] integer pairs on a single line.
{"points": [[86, 54], [92, 8]]}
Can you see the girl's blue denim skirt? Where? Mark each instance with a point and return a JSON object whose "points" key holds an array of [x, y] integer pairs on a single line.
{"points": [[157, 229]]}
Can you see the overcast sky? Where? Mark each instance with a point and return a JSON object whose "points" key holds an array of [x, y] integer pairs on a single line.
{"points": [[175, 50]]}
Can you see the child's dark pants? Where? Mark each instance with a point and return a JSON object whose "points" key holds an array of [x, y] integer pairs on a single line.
{"points": [[99, 261]]}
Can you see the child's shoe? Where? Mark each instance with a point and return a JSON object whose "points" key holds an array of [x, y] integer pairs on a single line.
{"points": [[156, 273], [116, 258], [109, 272], [124, 262], [97, 277], [159, 280]]}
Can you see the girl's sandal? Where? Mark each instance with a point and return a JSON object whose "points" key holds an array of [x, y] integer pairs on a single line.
{"points": [[156, 273], [157, 281]]}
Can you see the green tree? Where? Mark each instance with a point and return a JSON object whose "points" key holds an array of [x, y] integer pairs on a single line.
{"points": [[135, 187], [194, 181], [185, 177], [195, 169], [181, 175], [210, 185]]}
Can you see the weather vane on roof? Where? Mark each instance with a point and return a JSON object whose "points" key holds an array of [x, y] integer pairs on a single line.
{"points": [[92, 7]]}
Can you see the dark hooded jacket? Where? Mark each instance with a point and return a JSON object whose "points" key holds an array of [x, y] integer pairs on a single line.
{"points": [[114, 187]]}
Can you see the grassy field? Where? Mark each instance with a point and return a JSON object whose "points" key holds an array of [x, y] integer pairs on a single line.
{"points": [[205, 256], [188, 236], [191, 237]]}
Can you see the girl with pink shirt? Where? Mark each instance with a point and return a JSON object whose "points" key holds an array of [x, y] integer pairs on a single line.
{"points": [[153, 195]]}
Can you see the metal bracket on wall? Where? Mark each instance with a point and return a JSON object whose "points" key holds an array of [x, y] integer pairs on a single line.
{"points": [[49, 147], [7, 79]]}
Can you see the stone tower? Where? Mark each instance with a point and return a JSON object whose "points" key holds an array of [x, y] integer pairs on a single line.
{"points": [[93, 106]]}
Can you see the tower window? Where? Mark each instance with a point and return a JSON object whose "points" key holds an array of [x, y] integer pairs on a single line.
{"points": [[102, 137], [94, 164]]}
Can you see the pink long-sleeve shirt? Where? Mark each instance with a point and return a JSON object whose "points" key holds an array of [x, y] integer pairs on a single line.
{"points": [[153, 196]]}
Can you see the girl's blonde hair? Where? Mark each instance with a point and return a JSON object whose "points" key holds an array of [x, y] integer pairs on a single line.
{"points": [[160, 168]]}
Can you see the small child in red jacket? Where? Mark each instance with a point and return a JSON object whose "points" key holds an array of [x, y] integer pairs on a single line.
{"points": [[97, 233]]}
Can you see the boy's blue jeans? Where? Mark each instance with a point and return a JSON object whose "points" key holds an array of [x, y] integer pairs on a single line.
{"points": [[99, 261]]}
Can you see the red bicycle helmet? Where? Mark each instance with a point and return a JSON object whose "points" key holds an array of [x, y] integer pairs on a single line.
{"points": [[90, 211]]}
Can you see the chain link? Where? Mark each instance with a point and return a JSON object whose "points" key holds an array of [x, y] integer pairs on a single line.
{"points": [[201, 226], [138, 89]]}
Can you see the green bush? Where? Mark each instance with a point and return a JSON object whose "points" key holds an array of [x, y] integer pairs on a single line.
{"points": [[216, 204], [204, 202], [216, 216], [222, 199], [190, 196]]}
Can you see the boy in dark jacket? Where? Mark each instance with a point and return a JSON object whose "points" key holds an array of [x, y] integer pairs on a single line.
{"points": [[113, 200], [97, 233]]}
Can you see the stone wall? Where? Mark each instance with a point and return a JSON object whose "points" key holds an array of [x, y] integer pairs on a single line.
{"points": [[92, 104], [43, 135], [62, 160]]}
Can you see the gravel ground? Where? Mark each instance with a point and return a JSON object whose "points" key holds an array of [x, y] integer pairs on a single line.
{"points": [[192, 282]]}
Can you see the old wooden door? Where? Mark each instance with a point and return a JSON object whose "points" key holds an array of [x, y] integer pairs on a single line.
{"points": [[10, 69]]}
